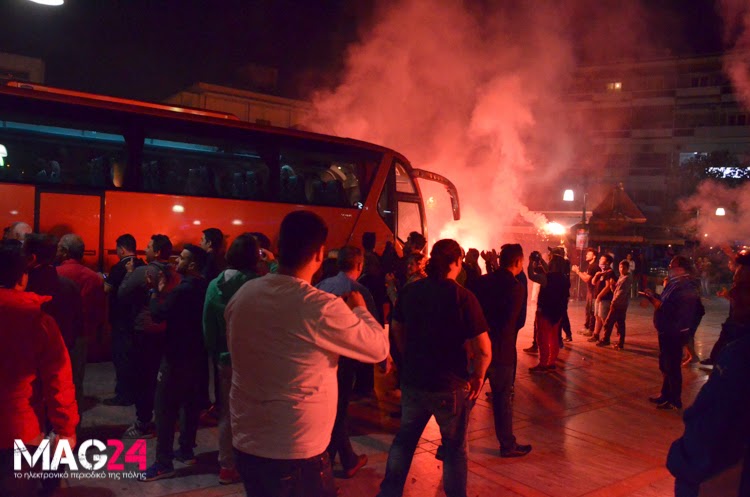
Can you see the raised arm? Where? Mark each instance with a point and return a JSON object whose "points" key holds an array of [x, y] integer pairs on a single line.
{"points": [[351, 332]]}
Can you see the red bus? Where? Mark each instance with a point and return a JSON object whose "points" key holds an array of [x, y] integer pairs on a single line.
{"points": [[100, 167]]}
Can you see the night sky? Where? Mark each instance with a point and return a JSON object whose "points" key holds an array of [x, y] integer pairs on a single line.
{"points": [[151, 49]]}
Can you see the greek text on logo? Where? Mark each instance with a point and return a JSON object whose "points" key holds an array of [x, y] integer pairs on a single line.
{"points": [[64, 455]]}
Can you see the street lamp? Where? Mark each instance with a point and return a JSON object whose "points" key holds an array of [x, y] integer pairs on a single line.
{"points": [[582, 235], [720, 211]]}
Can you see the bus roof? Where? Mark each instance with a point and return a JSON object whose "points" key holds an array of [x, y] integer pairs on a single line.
{"points": [[42, 92]]}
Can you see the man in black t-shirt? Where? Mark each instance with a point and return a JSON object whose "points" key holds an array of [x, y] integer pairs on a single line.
{"points": [[604, 289], [587, 275], [442, 334], [502, 298], [122, 326]]}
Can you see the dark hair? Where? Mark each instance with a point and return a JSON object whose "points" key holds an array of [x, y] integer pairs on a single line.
{"points": [[417, 240], [348, 257], [509, 254], [592, 250], [12, 263], [608, 258], [444, 253], [42, 246], [198, 256], [263, 240], [301, 235], [162, 246], [683, 262], [473, 253], [416, 257], [243, 253], [126, 241], [558, 265], [368, 241], [215, 237]]}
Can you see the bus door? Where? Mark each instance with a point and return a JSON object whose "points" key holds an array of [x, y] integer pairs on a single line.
{"points": [[63, 213], [409, 208]]}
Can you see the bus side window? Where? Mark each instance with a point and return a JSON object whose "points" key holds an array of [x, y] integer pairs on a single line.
{"points": [[292, 186], [74, 154]]}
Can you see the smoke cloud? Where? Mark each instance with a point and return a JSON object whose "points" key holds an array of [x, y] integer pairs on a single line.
{"points": [[475, 93], [729, 230], [736, 15]]}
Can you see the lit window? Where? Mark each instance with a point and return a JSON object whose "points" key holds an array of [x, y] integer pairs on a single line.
{"points": [[614, 86]]}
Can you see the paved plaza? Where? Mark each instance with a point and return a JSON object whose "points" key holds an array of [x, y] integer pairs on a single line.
{"points": [[593, 431]]}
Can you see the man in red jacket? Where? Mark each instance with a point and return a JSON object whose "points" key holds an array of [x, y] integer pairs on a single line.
{"points": [[33, 351]]}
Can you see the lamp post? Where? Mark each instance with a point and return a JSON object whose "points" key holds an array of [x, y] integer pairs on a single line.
{"points": [[582, 234]]}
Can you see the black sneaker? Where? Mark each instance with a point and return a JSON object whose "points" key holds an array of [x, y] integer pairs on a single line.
{"points": [[668, 406], [440, 453], [657, 400], [185, 457], [517, 450], [603, 344], [140, 430], [568, 339], [532, 350], [593, 339]]}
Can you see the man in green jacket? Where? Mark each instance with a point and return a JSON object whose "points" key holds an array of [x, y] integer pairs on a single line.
{"points": [[242, 261]]}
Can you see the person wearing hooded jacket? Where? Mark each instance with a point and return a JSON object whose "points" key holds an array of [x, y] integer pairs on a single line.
{"points": [[35, 373], [242, 260]]}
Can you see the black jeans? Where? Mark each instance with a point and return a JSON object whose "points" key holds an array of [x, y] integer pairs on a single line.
{"points": [[148, 351], [122, 358], [451, 410], [502, 378], [178, 396], [263, 477], [340, 443], [616, 316], [590, 322], [565, 325], [670, 365]]}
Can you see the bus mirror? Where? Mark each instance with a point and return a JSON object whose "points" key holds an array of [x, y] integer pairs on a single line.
{"points": [[449, 186]]}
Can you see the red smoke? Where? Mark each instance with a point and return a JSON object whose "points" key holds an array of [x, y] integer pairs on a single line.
{"points": [[471, 92]]}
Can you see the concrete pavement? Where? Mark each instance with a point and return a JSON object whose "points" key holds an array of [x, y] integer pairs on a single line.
{"points": [[592, 429]]}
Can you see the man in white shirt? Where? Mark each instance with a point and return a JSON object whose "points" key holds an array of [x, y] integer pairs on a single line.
{"points": [[285, 338]]}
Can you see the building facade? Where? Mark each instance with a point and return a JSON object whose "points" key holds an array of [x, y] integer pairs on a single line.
{"points": [[247, 105], [646, 120], [21, 68]]}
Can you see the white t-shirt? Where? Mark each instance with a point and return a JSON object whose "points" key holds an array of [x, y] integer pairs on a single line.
{"points": [[285, 337]]}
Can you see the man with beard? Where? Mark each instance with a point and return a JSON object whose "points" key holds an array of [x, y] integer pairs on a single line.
{"points": [[587, 275], [185, 362]]}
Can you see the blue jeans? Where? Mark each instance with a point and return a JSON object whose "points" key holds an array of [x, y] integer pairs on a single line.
{"points": [[451, 410]]}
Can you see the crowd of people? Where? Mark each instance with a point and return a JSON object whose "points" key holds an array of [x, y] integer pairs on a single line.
{"points": [[290, 336]]}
